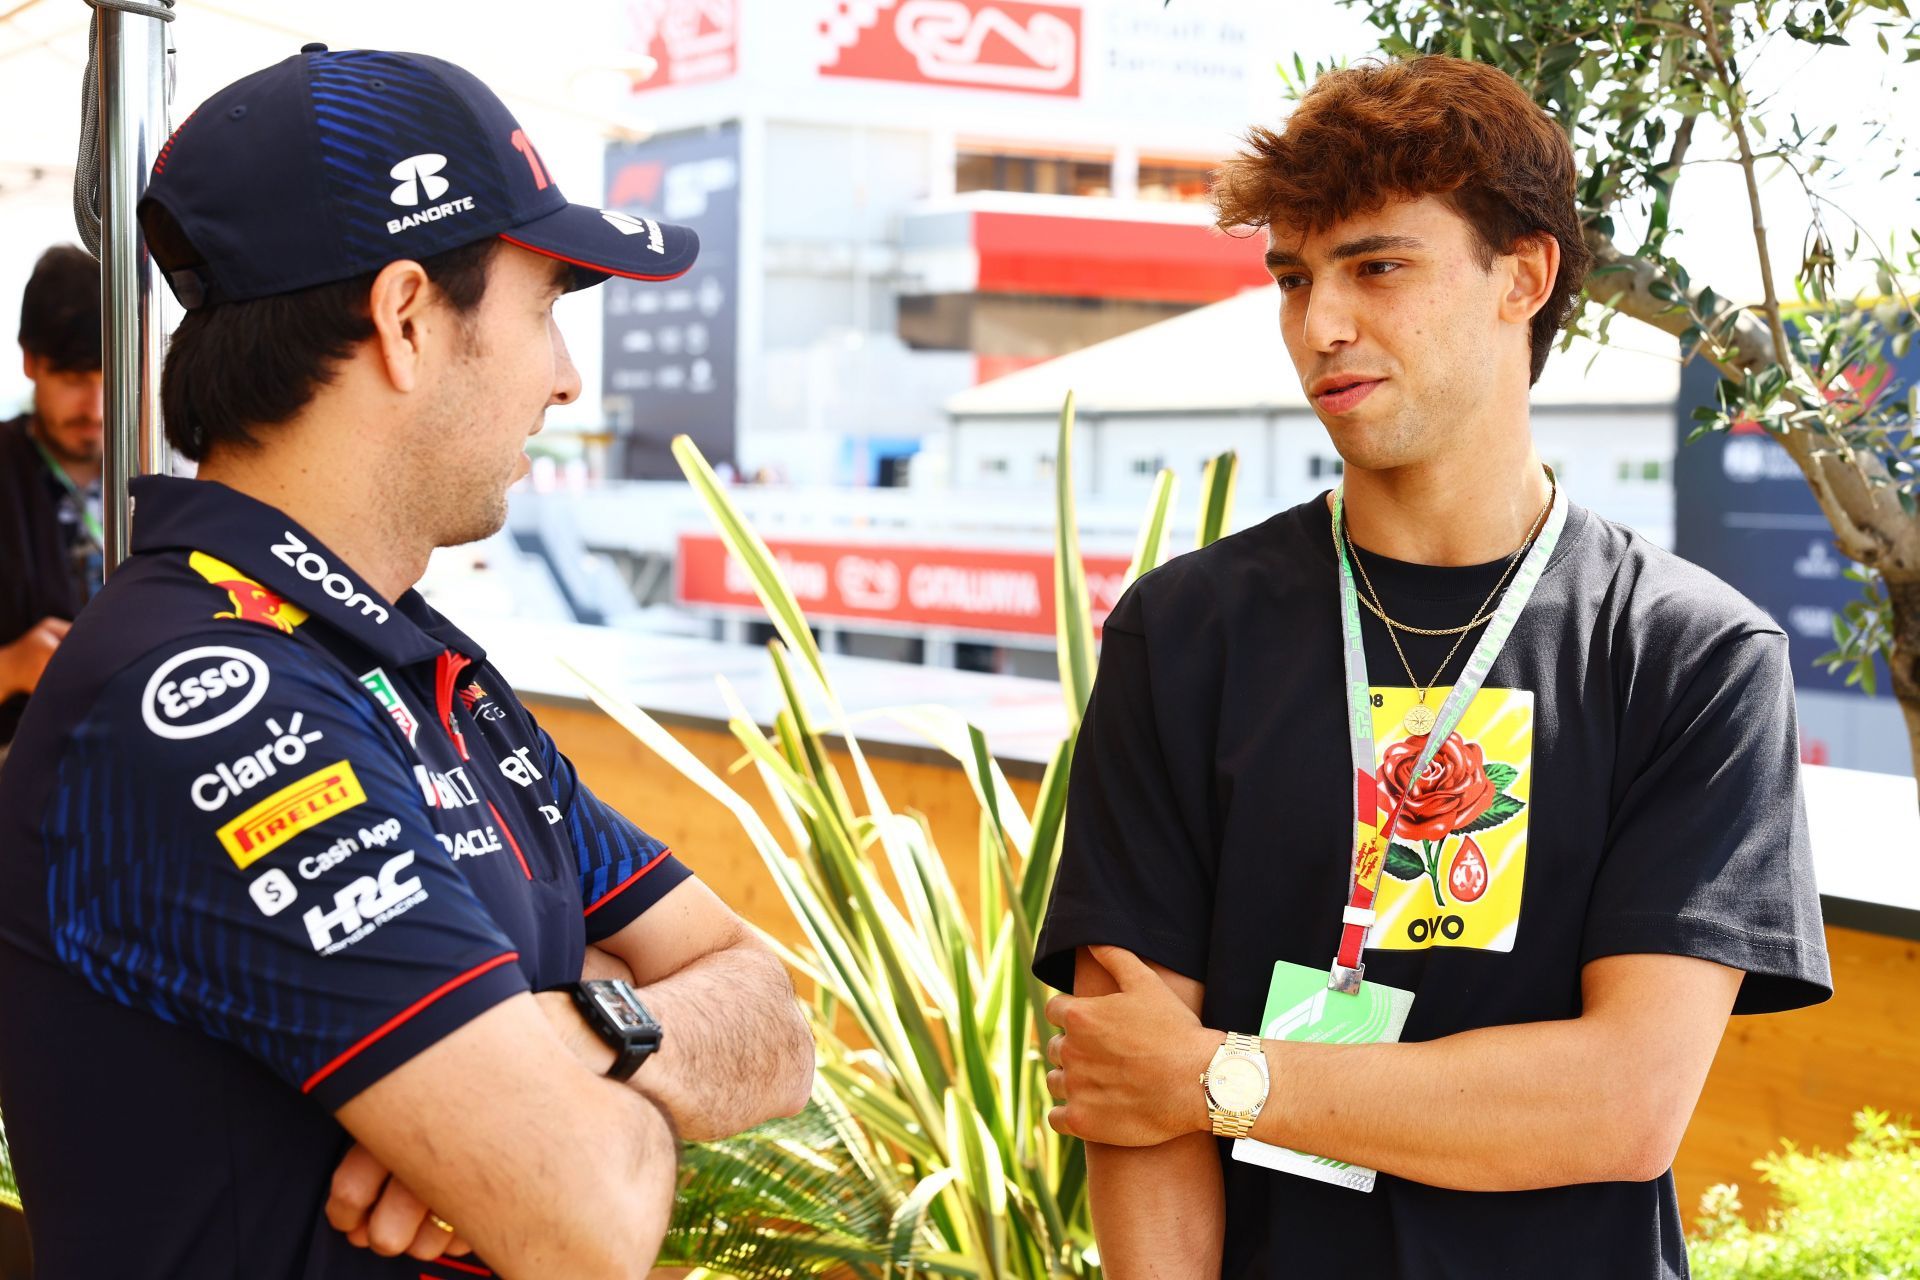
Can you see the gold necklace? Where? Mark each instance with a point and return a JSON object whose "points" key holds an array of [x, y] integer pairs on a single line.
{"points": [[1397, 625], [1420, 718]]}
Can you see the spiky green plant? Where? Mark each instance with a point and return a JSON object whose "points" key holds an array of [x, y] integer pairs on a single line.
{"points": [[9, 1189], [926, 1149]]}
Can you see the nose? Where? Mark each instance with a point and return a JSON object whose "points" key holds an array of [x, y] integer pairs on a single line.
{"points": [[566, 378], [1327, 318]]}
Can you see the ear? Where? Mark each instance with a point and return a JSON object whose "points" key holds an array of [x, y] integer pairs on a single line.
{"points": [[399, 302], [30, 365], [1533, 266]]}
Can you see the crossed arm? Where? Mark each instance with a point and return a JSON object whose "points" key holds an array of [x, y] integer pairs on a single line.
{"points": [[1601, 1097], [573, 1173]]}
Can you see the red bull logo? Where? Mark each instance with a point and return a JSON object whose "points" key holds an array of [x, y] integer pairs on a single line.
{"points": [[251, 601], [472, 693]]}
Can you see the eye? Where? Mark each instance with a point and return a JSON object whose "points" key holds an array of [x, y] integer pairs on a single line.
{"points": [[1289, 282], [1379, 268]]}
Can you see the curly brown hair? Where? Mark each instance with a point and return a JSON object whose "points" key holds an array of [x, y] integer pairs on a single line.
{"points": [[1363, 136]]}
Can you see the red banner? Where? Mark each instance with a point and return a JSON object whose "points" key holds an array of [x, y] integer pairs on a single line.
{"points": [[955, 589], [690, 41], [959, 44]]}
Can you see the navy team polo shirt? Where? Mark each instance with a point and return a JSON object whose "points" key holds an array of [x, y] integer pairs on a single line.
{"points": [[264, 836]]}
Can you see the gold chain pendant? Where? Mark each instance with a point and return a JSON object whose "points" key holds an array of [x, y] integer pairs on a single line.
{"points": [[1419, 720]]}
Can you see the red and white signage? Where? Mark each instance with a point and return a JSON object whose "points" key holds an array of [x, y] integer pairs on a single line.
{"points": [[953, 589], [690, 41], [957, 44]]}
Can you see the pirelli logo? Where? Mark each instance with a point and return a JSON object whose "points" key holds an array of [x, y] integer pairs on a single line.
{"points": [[292, 809]]}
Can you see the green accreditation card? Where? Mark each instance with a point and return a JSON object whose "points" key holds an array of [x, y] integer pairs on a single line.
{"points": [[1300, 1006]]}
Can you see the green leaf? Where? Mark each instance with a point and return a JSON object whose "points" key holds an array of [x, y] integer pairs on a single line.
{"points": [[1404, 864], [1151, 548], [746, 547], [1216, 495], [1073, 625], [1503, 808], [1501, 775]]}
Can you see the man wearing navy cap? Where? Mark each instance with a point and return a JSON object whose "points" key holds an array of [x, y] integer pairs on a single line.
{"points": [[314, 951]]}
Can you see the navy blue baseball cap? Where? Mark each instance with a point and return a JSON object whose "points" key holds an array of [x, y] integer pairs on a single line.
{"points": [[331, 165]]}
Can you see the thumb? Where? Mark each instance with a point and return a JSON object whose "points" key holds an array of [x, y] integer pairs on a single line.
{"points": [[58, 626], [1127, 969]]}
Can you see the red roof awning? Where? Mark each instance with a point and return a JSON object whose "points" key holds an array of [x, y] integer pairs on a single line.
{"points": [[1112, 258]]}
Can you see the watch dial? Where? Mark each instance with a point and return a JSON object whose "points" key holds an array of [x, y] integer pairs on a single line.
{"points": [[1235, 1085]]}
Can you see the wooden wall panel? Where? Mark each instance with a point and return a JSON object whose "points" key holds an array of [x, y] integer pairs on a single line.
{"points": [[1802, 1075]]}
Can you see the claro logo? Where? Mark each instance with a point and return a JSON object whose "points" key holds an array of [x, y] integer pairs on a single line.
{"points": [[202, 690], [312, 566]]}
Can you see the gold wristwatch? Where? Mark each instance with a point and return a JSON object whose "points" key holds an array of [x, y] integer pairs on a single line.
{"points": [[1236, 1082]]}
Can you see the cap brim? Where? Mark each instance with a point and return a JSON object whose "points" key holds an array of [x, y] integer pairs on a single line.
{"points": [[600, 243]]}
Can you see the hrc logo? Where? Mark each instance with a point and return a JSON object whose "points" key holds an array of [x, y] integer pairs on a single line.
{"points": [[290, 811]]}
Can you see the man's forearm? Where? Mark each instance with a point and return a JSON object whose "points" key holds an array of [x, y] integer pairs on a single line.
{"points": [[1599, 1098], [1498, 1109], [735, 1049], [1159, 1213]]}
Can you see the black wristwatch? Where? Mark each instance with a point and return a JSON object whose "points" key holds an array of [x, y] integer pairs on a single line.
{"points": [[616, 1015]]}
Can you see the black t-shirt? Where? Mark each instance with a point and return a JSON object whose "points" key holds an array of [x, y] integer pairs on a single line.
{"points": [[1626, 782]]}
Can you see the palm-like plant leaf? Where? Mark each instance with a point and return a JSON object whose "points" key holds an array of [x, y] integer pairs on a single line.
{"points": [[9, 1189], [926, 1150]]}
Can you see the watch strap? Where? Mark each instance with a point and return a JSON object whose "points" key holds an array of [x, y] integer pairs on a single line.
{"points": [[632, 1046], [1235, 1124]]}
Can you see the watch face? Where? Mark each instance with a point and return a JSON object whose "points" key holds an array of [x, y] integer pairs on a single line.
{"points": [[1235, 1084]]}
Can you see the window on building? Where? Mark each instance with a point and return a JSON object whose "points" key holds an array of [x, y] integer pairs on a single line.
{"points": [[1149, 467], [993, 467], [1642, 470], [1178, 181], [1043, 175], [1044, 468], [1319, 467]]}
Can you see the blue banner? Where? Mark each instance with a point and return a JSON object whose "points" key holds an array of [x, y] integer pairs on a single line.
{"points": [[1743, 510]]}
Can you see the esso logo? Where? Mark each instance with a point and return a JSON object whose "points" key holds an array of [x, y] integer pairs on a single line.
{"points": [[203, 690]]}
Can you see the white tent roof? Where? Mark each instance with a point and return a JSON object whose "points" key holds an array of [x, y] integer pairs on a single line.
{"points": [[1229, 357]]}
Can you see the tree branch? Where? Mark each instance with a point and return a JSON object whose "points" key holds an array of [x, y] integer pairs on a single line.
{"points": [[1739, 343], [1737, 125]]}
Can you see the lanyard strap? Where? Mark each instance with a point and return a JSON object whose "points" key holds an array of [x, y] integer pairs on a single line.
{"points": [[1372, 840], [88, 520]]}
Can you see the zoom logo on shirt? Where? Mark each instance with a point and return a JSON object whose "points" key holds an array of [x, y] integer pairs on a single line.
{"points": [[202, 690], [313, 566], [364, 906]]}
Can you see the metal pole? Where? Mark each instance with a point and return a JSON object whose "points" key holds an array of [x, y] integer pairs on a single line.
{"points": [[131, 58]]}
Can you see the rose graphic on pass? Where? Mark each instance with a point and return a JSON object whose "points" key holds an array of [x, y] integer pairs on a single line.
{"points": [[1457, 860]]}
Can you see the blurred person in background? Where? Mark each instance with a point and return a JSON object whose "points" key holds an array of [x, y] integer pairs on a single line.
{"points": [[50, 523], [317, 958]]}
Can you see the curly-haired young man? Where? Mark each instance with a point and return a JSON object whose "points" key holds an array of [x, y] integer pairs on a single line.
{"points": [[1423, 837]]}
